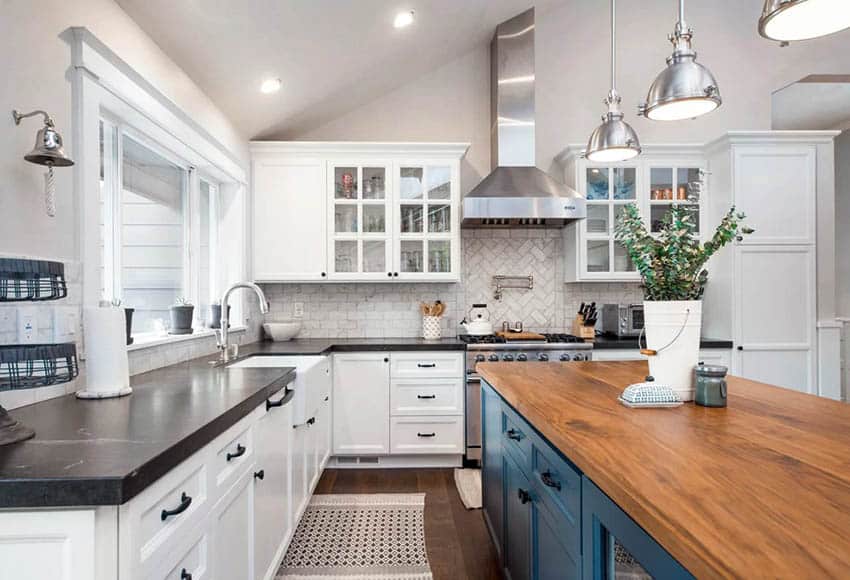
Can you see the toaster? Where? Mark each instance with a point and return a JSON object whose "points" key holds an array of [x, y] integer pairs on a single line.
{"points": [[622, 320]]}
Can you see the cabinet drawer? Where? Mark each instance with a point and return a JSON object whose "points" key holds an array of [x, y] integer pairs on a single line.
{"points": [[516, 438], [426, 364], [193, 562], [433, 435], [233, 456], [426, 397], [558, 488], [169, 514]]}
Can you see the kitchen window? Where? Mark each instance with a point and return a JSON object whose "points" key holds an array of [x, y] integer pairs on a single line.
{"points": [[158, 229]]}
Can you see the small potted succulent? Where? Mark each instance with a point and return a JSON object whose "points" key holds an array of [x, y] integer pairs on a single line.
{"points": [[182, 314], [672, 266]]}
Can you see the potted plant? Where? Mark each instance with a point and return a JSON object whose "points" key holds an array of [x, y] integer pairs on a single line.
{"points": [[672, 266], [182, 314]]}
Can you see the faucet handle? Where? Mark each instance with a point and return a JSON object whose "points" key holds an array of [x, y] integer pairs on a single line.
{"points": [[217, 333]]}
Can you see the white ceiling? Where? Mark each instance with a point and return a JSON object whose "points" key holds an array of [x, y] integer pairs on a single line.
{"points": [[815, 102], [332, 55]]}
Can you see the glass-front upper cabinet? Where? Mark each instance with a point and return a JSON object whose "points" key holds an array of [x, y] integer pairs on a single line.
{"points": [[608, 190], [360, 221], [660, 178], [427, 221]]}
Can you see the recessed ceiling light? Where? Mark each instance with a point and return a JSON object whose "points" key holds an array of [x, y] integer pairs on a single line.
{"points": [[271, 86], [403, 19]]}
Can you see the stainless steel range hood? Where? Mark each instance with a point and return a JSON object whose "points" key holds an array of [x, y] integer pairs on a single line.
{"points": [[516, 192]]}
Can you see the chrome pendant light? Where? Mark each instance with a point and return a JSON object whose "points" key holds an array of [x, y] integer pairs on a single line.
{"points": [[787, 20], [614, 140], [685, 89]]}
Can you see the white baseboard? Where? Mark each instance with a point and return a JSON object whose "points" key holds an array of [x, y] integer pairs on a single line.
{"points": [[393, 461]]}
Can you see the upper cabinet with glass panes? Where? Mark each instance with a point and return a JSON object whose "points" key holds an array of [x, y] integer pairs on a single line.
{"points": [[661, 177]]}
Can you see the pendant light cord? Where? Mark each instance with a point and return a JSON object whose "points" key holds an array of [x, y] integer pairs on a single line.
{"points": [[614, 46]]}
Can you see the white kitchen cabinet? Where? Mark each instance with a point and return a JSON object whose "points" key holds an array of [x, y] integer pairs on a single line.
{"points": [[289, 218], [272, 500], [301, 469], [662, 177], [322, 434], [361, 403], [233, 532], [389, 212], [765, 291]]}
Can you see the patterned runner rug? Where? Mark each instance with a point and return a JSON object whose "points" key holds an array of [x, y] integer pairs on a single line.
{"points": [[360, 537]]}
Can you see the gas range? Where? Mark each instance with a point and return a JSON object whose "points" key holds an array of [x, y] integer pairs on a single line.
{"points": [[553, 348]]}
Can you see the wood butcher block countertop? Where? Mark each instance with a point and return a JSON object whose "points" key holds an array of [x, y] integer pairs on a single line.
{"points": [[760, 489]]}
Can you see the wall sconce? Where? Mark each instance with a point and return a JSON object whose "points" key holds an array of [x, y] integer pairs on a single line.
{"points": [[48, 151]]}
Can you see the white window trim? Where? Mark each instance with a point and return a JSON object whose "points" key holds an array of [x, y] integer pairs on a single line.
{"points": [[103, 85]]}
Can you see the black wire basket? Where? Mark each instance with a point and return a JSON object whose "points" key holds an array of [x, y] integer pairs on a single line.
{"points": [[37, 365], [31, 280]]}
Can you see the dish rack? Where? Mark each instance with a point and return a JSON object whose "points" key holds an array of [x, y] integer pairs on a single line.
{"points": [[37, 365], [31, 280]]}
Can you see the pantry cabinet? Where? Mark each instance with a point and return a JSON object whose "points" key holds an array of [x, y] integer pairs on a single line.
{"points": [[662, 177], [356, 212]]}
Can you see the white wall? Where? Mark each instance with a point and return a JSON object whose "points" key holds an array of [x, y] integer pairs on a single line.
{"points": [[35, 61], [572, 75]]}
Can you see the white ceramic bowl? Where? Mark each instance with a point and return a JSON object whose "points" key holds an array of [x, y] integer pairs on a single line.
{"points": [[282, 331]]}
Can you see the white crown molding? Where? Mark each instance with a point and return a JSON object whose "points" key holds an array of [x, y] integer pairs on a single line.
{"points": [[771, 137], [361, 148]]}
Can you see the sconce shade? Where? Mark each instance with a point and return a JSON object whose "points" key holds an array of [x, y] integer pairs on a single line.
{"points": [[48, 149]]}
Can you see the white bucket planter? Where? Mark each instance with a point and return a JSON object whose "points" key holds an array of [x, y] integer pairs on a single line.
{"points": [[673, 329]]}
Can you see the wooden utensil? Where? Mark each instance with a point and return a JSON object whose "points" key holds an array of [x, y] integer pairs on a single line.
{"points": [[509, 335]]}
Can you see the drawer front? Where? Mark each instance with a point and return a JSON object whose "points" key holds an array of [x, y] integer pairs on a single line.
{"points": [[171, 514], [558, 488], [232, 457], [517, 438], [193, 563], [404, 365], [426, 435], [426, 397]]}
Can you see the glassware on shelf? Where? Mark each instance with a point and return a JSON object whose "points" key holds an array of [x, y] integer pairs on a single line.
{"points": [[345, 256], [374, 256], [373, 182], [412, 259], [411, 219], [373, 219], [345, 219], [439, 256], [439, 218], [597, 184]]}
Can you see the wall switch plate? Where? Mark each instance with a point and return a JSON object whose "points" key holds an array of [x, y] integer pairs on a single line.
{"points": [[27, 325], [66, 323], [298, 310]]}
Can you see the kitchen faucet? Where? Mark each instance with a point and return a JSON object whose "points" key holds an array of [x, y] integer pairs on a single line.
{"points": [[223, 338]]}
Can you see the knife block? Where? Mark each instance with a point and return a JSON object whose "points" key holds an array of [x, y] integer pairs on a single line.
{"points": [[588, 333]]}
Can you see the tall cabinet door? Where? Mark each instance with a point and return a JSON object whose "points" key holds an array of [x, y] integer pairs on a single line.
{"points": [[491, 464], [517, 550], [775, 315], [289, 226], [361, 404], [427, 236], [360, 221]]}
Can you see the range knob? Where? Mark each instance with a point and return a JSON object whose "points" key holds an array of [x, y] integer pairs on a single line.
{"points": [[522, 357], [578, 357], [508, 358], [480, 358], [493, 358], [565, 357], [542, 357]]}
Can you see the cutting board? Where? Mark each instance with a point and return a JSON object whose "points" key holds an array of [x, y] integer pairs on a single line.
{"points": [[520, 335]]}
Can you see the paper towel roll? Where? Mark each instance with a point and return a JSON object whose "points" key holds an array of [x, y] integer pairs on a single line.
{"points": [[107, 367]]}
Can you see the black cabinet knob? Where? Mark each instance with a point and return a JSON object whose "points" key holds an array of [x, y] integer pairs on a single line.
{"points": [[390, 274], [395, 274], [260, 474], [386, 360], [271, 404], [513, 434], [524, 496], [549, 481], [311, 421], [740, 348], [184, 575], [240, 451], [324, 274], [185, 502]]}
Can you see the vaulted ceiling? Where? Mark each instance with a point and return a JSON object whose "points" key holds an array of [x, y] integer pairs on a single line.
{"points": [[332, 55]]}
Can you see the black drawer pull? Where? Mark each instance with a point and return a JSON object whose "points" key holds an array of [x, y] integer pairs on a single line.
{"points": [[272, 404], [185, 502], [546, 478], [311, 421], [426, 366], [524, 496], [328, 397], [426, 396], [513, 434], [260, 474], [184, 575], [426, 434], [240, 451]]}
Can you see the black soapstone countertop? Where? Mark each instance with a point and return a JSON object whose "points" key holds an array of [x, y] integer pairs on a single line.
{"points": [[612, 342]]}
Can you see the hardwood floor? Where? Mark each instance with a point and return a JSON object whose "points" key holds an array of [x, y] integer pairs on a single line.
{"points": [[459, 545]]}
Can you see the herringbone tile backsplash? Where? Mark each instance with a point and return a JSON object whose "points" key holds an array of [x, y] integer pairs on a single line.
{"points": [[391, 310]]}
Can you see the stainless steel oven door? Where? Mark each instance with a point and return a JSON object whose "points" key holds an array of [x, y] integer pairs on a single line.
{"points": [[473, 417]]}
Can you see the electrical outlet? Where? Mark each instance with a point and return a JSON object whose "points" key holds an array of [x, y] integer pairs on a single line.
{"points": [[27, 325], [298, 310], [65, 324]]}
